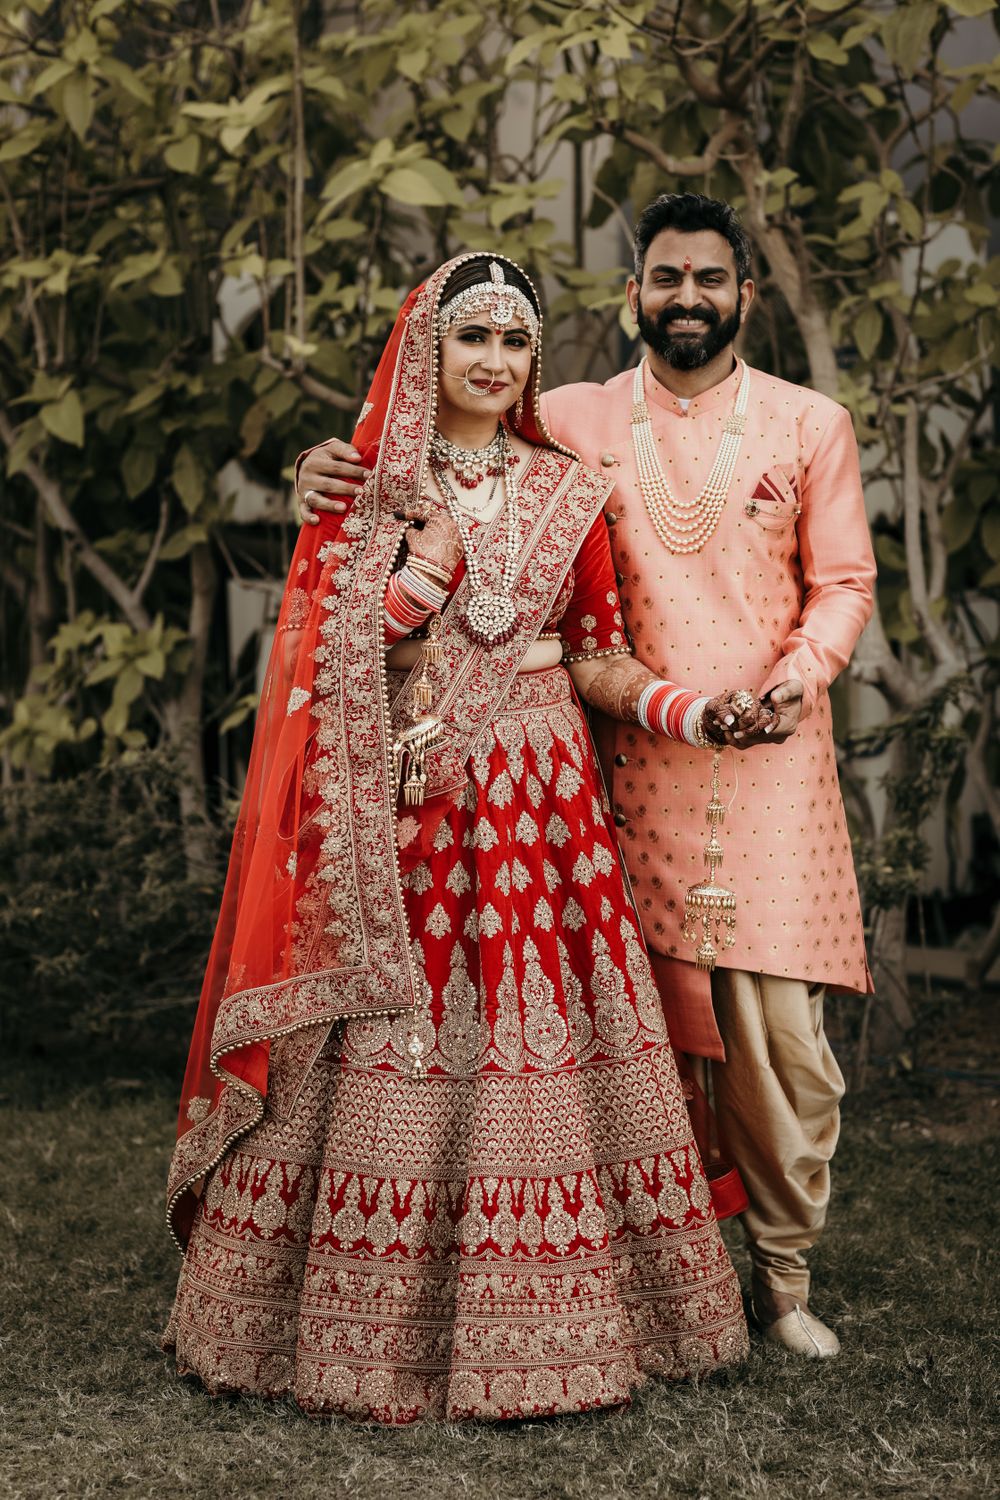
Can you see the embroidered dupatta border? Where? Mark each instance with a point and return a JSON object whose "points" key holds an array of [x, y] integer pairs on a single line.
{"points": [[355, 734]]}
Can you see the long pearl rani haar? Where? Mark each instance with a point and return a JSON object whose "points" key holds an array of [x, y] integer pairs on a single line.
{"points": [[491, 616], [685, 526]]}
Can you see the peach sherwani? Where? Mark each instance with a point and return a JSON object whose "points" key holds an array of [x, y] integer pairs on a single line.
{"points": [[782, 589]]}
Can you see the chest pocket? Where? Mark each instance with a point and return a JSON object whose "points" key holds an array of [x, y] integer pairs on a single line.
{"points": [[775, 504]]}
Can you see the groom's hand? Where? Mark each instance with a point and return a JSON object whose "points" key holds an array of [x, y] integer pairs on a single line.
{"points": [[332, 469], [786, 700]]}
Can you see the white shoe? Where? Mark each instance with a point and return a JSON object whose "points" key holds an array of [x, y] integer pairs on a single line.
{"points": [[802, 1333]]}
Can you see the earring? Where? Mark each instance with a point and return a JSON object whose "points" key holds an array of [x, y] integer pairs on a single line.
{"points": [[518, 410]]}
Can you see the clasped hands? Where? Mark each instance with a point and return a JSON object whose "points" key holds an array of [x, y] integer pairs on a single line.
{"points": [[740, 719]]}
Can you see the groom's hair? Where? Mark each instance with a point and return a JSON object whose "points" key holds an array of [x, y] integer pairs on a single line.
{"points": [[690, 212]]}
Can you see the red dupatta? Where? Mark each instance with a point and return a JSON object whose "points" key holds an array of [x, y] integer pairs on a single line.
{"points": [[313, 925]]}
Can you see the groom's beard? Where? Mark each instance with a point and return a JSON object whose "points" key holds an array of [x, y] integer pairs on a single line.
{"points": [[687, 351]]}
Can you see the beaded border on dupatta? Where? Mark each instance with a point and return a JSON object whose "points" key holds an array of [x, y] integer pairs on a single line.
{"points": [[358, 812]]}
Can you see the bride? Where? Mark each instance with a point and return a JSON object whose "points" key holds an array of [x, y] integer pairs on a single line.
{"points": [[434, 1159]]}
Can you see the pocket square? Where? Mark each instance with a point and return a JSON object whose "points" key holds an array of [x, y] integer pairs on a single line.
{"points": [[778, 485]]}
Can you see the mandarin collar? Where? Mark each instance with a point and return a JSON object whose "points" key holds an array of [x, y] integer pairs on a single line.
{"points": [[716, 395]]}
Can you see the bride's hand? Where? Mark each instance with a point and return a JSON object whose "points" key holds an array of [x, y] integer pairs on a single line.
{"points": [[738, 718], [436, 540]]}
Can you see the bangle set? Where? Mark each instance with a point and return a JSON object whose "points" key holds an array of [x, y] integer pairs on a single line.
{"points": [[666, 709]]}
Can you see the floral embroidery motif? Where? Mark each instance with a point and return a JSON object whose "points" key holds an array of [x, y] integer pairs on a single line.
{"points": [[296, 698]]}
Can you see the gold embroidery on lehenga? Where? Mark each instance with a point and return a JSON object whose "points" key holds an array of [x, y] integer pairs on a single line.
{"points": [[527, 1230]]}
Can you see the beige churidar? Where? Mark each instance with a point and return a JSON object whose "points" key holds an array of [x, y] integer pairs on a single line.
{"points": [[777, 1099]]}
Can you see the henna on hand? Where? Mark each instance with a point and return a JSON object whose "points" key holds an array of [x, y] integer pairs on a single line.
{"points": [[438, 543], [617, 688], [749, 723]]}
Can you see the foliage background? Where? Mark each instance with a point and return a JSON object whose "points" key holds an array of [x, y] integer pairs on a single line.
{"points": [[208, 214]]}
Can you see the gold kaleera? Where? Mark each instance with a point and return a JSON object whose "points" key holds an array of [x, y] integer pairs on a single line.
{"points": [[709, 908], [410, 749]]}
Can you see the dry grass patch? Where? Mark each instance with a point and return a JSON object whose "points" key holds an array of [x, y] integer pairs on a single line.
{"points": [[91, 1408]]}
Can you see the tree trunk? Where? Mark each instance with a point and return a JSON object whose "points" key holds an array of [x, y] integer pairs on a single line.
{"points": [[183, 721], [41, 596]]}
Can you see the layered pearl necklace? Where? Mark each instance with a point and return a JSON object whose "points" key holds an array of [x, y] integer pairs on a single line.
{"points": [[685, 526], [491, 616]]}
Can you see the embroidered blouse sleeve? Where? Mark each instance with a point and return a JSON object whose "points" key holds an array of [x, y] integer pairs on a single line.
{"points": [[592, 624]]}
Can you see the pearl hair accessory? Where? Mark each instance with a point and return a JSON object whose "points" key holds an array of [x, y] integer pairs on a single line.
{"points": [[684, 526], [501, 302]]}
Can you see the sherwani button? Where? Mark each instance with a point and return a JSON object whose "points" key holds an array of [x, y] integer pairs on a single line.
{"points": [[620, 820], [621, 760], [610, 517], [619, 578], [607, 459]]}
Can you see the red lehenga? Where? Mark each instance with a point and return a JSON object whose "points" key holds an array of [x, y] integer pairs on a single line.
{"points": [[527, 1229]]}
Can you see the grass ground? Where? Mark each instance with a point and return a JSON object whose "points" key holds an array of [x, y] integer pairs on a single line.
{"points": [[89, 1407]]}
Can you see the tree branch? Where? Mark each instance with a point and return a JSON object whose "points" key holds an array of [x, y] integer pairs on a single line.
{"points": [[309, 384], [62, 517], [941, 648], [152, 555], [676, 166]]}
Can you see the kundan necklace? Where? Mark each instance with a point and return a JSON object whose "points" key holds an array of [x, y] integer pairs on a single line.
{"points": [[490, 617], [470, 466], [685, 525]]}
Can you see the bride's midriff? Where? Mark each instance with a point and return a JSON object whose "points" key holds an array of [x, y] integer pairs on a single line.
{"points": [[538, 657]]}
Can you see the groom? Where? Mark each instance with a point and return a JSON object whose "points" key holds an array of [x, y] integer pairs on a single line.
{"points": [[742, 552]]}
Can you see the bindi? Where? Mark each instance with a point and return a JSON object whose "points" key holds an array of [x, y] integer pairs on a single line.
{"points": [[687, 262]]}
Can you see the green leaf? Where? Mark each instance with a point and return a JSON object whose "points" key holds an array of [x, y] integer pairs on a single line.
{"points": [[890, 552], [911, 220], [64, 419], [180, 544], [424, 184], [989, 530], [183, 155], [50, 76], [239, 713], [826, 48], [981, 294], [529, 46], [349, 180], [118, 72], [23, 141], [616, 43], [413, 65], [991, 578], [138, 470], [152, 664], [342, 229], [906, 32], [958, 522], [135, 267], [972, 7], [874, 95], [168, 281], [868, 330], [188, 479], [78, 103]]}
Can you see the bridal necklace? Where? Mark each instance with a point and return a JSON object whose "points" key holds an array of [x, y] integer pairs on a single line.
{"points": [[471, 466], [685, 526], [491, 616]]}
